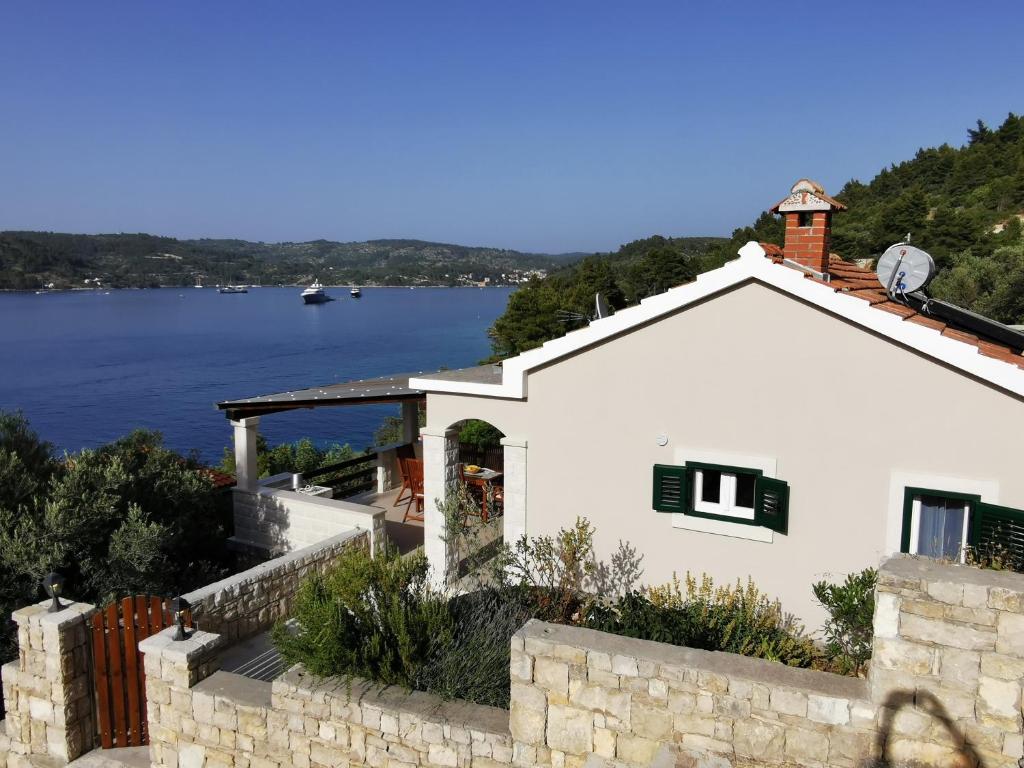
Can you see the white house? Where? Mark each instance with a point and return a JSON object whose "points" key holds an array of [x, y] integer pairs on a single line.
{"points": [[781, 418]]}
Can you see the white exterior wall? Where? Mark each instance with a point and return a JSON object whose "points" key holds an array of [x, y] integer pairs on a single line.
{"points": [[846, 417]]}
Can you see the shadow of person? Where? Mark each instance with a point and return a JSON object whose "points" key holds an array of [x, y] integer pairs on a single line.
{"points": [[963, 754]]}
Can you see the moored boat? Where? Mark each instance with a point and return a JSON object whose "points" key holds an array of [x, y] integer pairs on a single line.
{"points": [[232, 289], [315, 294], [355, 293]]}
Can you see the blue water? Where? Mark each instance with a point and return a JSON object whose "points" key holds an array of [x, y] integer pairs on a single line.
{"points": [[89, 367]]}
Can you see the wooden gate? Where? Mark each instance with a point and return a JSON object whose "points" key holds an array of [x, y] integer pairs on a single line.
{"points": [[119, 673]]}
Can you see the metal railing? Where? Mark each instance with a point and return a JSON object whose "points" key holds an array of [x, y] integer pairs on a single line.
{"points": [[348, 478]]}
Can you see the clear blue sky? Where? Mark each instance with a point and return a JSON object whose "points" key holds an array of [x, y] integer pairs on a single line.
{"points": [[547, 126]]}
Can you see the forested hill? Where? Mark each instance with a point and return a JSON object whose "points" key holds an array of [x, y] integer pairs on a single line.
{"points": [[549, 307], [962, 204], [34, 259]]}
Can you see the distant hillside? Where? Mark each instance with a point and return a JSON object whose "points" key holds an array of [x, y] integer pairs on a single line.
{"points": [[543, 308], [963, 204], [33, 259]]}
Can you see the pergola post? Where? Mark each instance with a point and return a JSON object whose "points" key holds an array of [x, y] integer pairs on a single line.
{"points": [[246, 471], [440, 475], [410, 421], [514, 450]]}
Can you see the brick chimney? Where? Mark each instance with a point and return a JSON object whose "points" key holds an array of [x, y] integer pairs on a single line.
{"points": [[808, 214]]}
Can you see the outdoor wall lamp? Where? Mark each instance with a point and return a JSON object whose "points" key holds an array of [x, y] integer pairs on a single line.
{"points": [[54, 585], [179, 607]]}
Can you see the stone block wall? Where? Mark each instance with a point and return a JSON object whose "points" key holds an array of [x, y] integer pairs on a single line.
{"points": [[203, 718], [579, 695], [250, 602], [948, 661], [48, 693], [944, 689]]}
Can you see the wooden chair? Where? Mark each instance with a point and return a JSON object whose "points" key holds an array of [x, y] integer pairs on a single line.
{"points": [[402, 454], [403, 472], [414, 468]]}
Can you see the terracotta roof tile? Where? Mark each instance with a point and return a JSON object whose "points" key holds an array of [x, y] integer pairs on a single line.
{"points": [[220, 479], [927, 322], [964, 336], [854, 280]]}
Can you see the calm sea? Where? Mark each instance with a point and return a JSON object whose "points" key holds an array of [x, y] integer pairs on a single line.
{"points": [[89, 367]]}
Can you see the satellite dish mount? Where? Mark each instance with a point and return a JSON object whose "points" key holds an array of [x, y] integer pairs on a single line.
{"points": [[903, 269]]}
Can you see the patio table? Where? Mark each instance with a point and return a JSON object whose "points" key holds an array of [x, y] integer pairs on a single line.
{"points": [[482, 480]]}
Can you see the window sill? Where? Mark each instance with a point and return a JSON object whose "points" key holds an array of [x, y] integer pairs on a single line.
{"points": [[723, 528]]}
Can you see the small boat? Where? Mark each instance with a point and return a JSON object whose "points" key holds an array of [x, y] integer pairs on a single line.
{"points": [[315, 294], [355, 293], [232, 289]]}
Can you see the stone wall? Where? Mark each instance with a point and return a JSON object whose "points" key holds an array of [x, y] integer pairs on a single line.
{"points": [[218, 720], [944, 688], [948, 661], [277, 520], [578, 693], [251, 601], [47, 690]]}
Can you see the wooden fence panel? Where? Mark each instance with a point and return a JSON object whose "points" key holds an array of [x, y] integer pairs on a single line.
{"points": [[120, 675]]}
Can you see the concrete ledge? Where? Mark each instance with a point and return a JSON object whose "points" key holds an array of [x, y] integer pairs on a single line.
{"points": [[926, 570], [241, 690], [187, 651], [770, 673]]}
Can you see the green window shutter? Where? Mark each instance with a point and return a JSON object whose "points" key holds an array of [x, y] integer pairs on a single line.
{"points": [[771, 504], [997, 530], [670, 488]]}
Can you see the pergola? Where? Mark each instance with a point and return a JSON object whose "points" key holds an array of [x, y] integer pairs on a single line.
{"points": [[439, 445], [245, 413]]}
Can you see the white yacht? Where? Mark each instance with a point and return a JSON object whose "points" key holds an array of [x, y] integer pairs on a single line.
{"points": [[315, 294]]}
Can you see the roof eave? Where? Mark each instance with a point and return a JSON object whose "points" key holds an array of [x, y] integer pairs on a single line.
{"points": [[752, 265]]}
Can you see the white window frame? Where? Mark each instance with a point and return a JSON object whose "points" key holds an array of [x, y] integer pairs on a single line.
{"points": [[901, 479], [915, 525], [737, 530], [726, 506]]}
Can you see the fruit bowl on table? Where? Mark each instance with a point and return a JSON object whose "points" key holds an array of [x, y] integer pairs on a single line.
{"points": [[472, 469]]}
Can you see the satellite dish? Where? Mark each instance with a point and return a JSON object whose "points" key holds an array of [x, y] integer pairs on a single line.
{"points": [[601, 307], [904, 269]]}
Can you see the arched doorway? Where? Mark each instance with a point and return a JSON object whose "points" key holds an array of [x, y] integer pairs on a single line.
{"points": [[477, 474]]}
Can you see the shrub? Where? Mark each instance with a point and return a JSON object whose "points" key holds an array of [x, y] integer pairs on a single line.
{"points": [[472, 662], [737, 619], [994, 556], [371, 617], [550, 573], [848, 630]]}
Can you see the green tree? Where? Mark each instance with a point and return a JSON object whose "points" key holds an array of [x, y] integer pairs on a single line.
{"points": [[129, 517]]}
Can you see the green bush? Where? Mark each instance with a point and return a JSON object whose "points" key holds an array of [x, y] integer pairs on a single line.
{"points": [[379, 619], [300, 456], [370, 617], [479, 434], [733, 619], [473, 662], [849, 629]]}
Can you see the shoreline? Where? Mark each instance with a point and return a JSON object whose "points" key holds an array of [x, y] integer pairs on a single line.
{"points": [[300, 286]]}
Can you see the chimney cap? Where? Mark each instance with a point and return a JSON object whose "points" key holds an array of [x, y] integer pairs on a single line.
{"points": [[807, 195]]}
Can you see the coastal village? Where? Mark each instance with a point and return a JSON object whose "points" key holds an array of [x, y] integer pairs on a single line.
{"points": [[511, 386]]}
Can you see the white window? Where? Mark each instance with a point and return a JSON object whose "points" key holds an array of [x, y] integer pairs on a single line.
{"points": [[729, 494], [938, 527]]}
